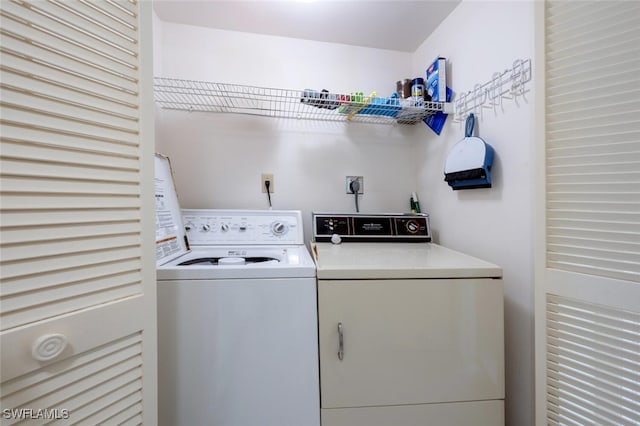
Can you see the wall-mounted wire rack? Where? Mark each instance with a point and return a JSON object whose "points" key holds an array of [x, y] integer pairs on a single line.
{"points": [[507, 85], [190, 95]]}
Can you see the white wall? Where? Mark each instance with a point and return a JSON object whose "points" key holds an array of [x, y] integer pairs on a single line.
{"points": [[480, 38], [218, 158]]}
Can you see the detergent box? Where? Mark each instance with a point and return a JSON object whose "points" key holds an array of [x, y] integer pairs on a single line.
{"points": [[437, 80]]}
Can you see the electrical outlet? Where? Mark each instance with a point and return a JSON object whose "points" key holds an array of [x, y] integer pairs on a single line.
{"points": [[352, 178], [267, 177]]}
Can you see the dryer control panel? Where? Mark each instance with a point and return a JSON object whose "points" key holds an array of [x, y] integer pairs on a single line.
{"points": [[371, 227]]}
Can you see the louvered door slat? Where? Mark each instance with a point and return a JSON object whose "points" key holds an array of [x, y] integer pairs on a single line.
{"points": [[593, 224], [77, 259], [64, 69], [124, 9], [68, 276], [54, 387], [595, 215], [621, 142], [118, 410], [66, 293], [617, 139], [92, 12], [46, 88], [85, 391], [59, 305], [593, 361], [104, 417], [44, 201], [69, 185], [579, 356], [596, 129], [46, 232], [67, 142], [127, 417], [112, 169], [13, 219], [62, 108], [85, 24], [596, 171], [614, 63], [32, 151], [49, 28], [111, 399], [39, 119]]}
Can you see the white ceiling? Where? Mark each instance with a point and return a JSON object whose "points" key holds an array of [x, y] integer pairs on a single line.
{"points": [[395, 25]]}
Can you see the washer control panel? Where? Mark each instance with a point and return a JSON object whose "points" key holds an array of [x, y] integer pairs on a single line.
{"points": [[368, 227], [247, 227]]}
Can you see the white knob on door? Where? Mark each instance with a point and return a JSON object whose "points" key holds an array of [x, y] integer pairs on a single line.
{"points": [[48, 346]]}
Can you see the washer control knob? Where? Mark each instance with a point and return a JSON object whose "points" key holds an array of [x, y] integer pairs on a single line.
{"points": [[224, 227], [279, 228], [205, 227]]}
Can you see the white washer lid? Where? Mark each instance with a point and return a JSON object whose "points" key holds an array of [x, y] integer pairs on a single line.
{"points": [[397, 260], [294, 262]]}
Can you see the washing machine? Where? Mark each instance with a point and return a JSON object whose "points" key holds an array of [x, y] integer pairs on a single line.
{"points": [[411, 332], [237, 323]]}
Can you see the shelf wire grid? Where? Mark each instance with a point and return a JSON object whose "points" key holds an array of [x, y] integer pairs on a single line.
{"points": [[190, 95]]}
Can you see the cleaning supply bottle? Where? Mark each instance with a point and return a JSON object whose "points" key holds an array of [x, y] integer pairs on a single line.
{"points": [[415, 203]]}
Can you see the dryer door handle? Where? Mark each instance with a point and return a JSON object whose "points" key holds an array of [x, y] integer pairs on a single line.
{"points": [[340, 342]]}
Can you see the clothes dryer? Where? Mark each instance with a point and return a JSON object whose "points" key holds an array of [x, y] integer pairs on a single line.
{"points": [[410, 332]]}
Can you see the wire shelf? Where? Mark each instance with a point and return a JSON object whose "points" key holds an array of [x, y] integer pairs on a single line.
{"points": [[190, 95]]}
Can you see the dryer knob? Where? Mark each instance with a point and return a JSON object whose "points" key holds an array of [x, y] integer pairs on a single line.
{"points": [[205, 228], [224, 227]]}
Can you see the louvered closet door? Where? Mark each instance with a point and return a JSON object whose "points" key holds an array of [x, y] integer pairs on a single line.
{"points": [[77, 293], [588, 266]]}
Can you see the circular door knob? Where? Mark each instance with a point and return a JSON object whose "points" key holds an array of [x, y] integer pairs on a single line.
{"points": [[48, 346]]}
